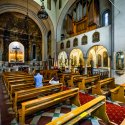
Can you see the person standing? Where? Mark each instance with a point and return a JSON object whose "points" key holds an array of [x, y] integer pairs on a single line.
{"points": [[38, 79]]}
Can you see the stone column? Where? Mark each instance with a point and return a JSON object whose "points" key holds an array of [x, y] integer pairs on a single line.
{"points": [[1, 50], [85, 60]]}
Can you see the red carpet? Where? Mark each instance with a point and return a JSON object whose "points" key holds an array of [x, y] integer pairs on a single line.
{"points": [[115, 113]]}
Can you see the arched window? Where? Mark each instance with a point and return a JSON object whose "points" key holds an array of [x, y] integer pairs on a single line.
{"points": [[75, 42], [49, 4], [68, 44], [16, 52], [62, 46], [106, 18], [84, 40]]}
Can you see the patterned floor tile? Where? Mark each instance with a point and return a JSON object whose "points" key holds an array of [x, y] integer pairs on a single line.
{"points": [[51, 114], [47, 114], [57, 110], [35, 120]]}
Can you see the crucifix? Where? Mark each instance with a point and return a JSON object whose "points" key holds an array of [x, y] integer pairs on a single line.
{"points": [[16, 50]]}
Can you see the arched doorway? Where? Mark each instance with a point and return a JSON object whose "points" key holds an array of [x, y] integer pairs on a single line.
{"points": [[99, 56], [76, 58], [16, 52], [62, 59]]}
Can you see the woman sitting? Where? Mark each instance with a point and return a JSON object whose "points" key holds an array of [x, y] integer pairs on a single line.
{"points": [[54, 80]]}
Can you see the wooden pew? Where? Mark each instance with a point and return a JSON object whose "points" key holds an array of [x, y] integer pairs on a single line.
{"points": [[11, 76], [24, 95], [75, 78], [118, 93], [19, 87], [87, 82], [123, 122], [108, 84], [23, 81], [48, 74], [96, 107], [19, 81], [14, 72], [66, 76], [39, 104], [16, 77]]}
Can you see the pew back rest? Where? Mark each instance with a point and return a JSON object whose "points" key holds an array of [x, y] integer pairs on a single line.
{"points": [[19, 81], [83, 84], [108, 81], [118, 94], [44, 89], [92, 79], [44, 102], [97, 89], [24, 95], [81, 112]]}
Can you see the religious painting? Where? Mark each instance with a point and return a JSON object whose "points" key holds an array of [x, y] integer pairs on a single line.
{"points": [[96, 37], [75, 42], [99, 60], [62, 46], [84, 40], [68, 44], [105, 59]]}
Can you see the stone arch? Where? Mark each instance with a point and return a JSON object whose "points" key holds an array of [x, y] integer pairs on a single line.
{"points": [[62, 59], [20, 6], [97, 50], [76, 58]]}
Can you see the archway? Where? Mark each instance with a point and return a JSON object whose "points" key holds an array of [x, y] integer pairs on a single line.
{"points": [[62, 59], [44, 26], [76, 58], [15, 28], [99, 56], [16, 52]]}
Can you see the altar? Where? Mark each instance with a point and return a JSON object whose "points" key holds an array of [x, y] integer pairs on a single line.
{"points": [[16, 52]]}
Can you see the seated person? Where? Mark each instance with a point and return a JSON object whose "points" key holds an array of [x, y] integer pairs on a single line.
{"points": [[67, 70], [59, 71], [54, 80], [38, 79]]}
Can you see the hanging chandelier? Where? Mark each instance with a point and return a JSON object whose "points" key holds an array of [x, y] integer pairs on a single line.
{"points": [[42, 14]]}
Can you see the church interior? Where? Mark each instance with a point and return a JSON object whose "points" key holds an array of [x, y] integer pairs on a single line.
{"points": [[81, 43]]}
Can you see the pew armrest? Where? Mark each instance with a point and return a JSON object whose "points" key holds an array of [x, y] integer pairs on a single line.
{"points": [[115, 90]]}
